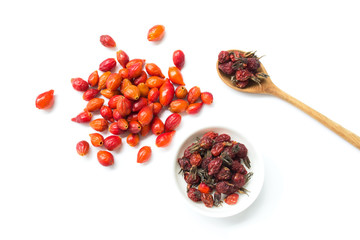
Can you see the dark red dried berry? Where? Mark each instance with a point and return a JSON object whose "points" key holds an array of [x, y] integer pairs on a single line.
{"points": [[211, 135], [242, 84], [222, 138], [217, 199], [194, 194], [216, 149], [242, 150], [184, 164], [243, 75], [195, 159], [214, 166], [207, 199], [205, 162], [224, 174], [191, 178], [206, 142], [226, 188], [253, 64], [238, 180], [235, 166], [227, 68], [223, 57]]}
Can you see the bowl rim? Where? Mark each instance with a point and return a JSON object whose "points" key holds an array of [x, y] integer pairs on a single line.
{"points": [[260, 172]]}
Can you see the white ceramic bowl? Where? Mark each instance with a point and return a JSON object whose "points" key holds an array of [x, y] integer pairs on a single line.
{"points": [[254, 185]]}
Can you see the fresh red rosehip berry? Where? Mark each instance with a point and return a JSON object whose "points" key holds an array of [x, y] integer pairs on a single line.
{"points": [[79, 84], [105, 158], [172, 122], [107, 65], [45, 100], [112, 142], [82, 117], [156, 33], [82, 148], [179, 59], [164, 139], [144, 154], [107, 41], [96, 139]]}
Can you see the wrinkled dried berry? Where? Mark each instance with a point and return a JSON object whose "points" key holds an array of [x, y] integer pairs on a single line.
{"points": [[223, 57], [184, 164], [207, 199], [194, 194], [214, 166]]}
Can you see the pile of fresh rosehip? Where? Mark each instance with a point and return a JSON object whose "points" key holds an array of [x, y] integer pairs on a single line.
{"points": [[129, 102], [242, 67], [215, 163]]}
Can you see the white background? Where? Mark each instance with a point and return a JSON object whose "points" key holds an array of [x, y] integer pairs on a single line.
{"points": [[311, 187]]}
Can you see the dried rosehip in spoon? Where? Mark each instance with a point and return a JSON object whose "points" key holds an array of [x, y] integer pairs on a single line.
{"points": [[266, 86]]}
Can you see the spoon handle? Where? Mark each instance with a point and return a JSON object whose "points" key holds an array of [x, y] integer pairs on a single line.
{"points": [[338, 129]]}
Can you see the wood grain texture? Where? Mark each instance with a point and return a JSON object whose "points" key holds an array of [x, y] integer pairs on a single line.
{"points": [[268, 87]]}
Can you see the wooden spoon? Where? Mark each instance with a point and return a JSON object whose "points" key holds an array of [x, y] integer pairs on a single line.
{"points": [[268, 87]]}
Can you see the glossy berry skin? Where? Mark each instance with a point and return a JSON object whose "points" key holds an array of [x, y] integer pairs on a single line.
{"points": [[153, 70], [207, 98], [82, 148], [204, 188], [172, 122], [94, 104], [93, 78], [96, 139], [134, 126], [99, 124], [144, 154], [175, 76], [135, 67], [114, 129], [79, 84], [179, 59], [145, 115], [164, 139], [166, 93], [178, 106], [156, 33], [231, 199], [193, 94], [107, 41], [45, 100], [112, 142], [133, 139], [82, 117], [105, 158], [90, 94], [157, 126], [122, 58], [181, 92], [194, 108], [107, 65]]}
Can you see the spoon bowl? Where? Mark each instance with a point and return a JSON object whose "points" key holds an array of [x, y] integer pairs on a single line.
{"points": [[268, 87]]}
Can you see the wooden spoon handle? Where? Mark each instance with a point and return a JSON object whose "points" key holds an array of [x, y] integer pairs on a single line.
{"points": [[338, 129]]}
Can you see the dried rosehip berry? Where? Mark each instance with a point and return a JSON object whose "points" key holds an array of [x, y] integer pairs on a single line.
{"points": [[238, 180], [164, 139], [242, 150], [107, 64], [217, 199], [222, 138], [90, 94], [179, 59], [157, 126], [94, 104], [193, 94], [112, 142], [156, 33], [214, 166], [206, 142], [207, 199], [122, 58], [153, 70], [253, 64], [82, 117], [191, 178], [231, 199], [184, 163], [223, 174], [223, 57], [133, 139], [144, 154], [166, 93], [99, 124], [194, 194], [216, 149], [243, 75], [211, 135], [205, 162], [204, 188], [79, 84], [45, 100], [105, 158], [172, 122], [227, 68], [107, 41], [175, 76], [195, 159], [225, 187], [96, 139], [181, 92], [82, 148], [206, 97]]}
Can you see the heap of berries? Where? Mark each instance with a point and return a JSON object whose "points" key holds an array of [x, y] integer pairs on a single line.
{"points": [[215, 163], [241, 66]]}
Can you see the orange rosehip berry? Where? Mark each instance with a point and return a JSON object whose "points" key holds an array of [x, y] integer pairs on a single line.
{"points": [[45, 100], [105, 158], [144, 154], [82, 148], [156, 33]]}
